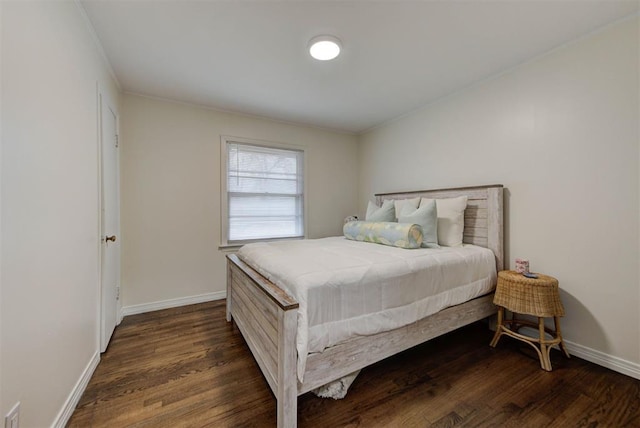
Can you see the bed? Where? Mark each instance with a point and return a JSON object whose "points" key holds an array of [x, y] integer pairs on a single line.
{"points": [[267, 315]]}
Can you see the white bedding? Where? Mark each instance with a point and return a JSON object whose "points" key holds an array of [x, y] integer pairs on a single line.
{"points": [[348, 288]]}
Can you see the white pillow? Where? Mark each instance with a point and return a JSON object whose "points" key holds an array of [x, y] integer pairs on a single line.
{"points": [[384, 213], [401, 203], [427, 217], [450, 219]]}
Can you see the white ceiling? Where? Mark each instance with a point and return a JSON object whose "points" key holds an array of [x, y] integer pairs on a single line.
{"points": [[251, 56]]}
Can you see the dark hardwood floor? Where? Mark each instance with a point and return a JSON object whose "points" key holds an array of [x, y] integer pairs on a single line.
{"points": [[188, 367]]}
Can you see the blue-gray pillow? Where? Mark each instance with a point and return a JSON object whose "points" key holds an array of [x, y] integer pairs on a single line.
{"points": [[427, 217], [387, 212]]}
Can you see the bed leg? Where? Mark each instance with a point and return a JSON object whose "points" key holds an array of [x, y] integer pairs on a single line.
{"points": [[287, 378], [228, 298]]}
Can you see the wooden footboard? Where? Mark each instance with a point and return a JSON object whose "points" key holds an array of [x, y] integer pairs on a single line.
{"points": [[267, 318]]}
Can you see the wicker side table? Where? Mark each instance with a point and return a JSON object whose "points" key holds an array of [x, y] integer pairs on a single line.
{"points": [[538, 297]]}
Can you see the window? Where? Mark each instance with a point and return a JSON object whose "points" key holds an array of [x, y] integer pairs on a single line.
{"points": [[264, 191]]}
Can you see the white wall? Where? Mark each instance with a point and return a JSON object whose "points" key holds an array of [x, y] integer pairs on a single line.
{"points": [[170, 163], [1, 136], [561, 133], [49, 264]]}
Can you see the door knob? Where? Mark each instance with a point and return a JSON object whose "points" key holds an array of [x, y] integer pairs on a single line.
{"points": [[111, 238]]}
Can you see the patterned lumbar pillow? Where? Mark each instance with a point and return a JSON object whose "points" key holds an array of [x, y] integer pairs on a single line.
{"points": [[402, 235]]}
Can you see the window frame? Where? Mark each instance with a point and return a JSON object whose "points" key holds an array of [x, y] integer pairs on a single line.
{"points": [[225, 140]]}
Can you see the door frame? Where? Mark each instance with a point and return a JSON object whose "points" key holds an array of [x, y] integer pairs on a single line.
{"points": [[103, 98]]}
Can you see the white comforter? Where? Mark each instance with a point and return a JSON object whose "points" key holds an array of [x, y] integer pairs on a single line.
{"points": [[347, 288]]}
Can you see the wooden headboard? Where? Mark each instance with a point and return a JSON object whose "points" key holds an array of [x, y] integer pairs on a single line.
{"points": [[483, 217]]}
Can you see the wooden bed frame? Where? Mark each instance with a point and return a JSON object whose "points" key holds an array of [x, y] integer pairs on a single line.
{"points": [[267, 316]]}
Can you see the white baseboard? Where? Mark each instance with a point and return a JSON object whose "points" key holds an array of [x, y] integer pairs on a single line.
{"points": [[172, 303], [600, 358], [72, 401], [605, 360], [74, 397]]}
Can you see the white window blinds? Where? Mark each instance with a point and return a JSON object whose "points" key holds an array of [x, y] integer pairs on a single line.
{"points": [[265, 192]]}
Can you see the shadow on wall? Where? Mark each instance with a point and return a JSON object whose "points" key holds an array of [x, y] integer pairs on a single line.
{"points": [[575, 310]]}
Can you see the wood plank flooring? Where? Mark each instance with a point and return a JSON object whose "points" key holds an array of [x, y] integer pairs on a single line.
{"points": [[188, 367]]}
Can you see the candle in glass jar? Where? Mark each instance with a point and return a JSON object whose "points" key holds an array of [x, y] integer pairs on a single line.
{"points": [[522, 265]]}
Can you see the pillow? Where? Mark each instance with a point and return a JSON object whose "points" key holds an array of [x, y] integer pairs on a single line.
{"points": [[450, 219], [386, 212], [427, 217], [401, 203], [402, 235]]}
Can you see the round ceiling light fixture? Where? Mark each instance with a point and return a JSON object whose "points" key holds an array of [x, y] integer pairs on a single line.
{"points": [[325, 48]]}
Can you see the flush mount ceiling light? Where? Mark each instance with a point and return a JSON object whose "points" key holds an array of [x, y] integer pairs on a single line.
{"points": [[324, 48]]}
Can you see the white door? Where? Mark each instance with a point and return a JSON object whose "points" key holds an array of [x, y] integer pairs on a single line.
{"points": [[110, 223]]}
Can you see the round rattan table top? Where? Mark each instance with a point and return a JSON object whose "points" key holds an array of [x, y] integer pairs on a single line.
{"points": [[538, 297]]}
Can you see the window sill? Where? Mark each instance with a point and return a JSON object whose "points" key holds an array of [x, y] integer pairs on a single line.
{"points": [[228, 248]]}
